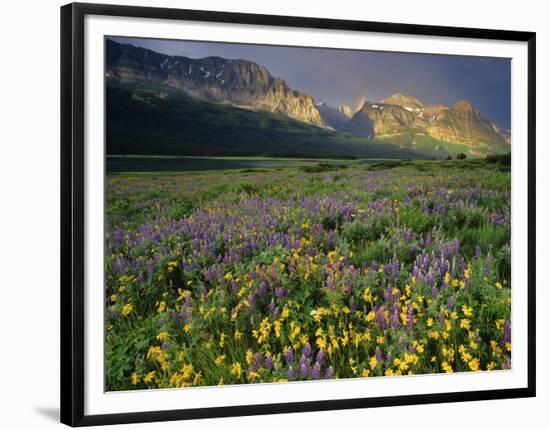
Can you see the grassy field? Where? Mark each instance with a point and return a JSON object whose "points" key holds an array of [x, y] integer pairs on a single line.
{"points": [[303, 272], [156, 164]]}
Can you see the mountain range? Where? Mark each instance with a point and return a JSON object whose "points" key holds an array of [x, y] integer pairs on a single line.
{"points": [[251, 112]]}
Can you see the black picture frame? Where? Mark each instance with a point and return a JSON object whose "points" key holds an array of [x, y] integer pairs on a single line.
{"points": [[72, 212]]}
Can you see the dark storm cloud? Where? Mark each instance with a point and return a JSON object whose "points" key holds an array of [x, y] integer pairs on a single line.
{"points": [[350, 77]]}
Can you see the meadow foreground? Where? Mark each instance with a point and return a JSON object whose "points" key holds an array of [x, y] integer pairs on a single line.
{"points": [[301, 273]]}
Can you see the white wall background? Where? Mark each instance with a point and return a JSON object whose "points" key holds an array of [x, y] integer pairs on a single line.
{"points": [[29, 212]]}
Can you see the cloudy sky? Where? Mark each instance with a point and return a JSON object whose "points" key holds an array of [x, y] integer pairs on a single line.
{"points": [[351, 77]]}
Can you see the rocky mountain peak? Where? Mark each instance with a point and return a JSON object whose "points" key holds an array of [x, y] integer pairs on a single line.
{"points": [[407, 102], [240, 82], [345, 110], [334, 117], [464, 106]]}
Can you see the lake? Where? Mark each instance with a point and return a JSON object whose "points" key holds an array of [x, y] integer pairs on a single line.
{"points": [[120, 164]]}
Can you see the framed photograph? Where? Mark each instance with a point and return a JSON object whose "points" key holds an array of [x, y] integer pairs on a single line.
{"points": [[270, 214]]}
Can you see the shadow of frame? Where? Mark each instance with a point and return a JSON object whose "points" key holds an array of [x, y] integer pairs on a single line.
{"points": [[51, 413]]}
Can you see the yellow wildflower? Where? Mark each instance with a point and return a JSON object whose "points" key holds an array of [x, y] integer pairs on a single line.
{"points": [[127, 309], [187, 371], [277, 328], [465, 323], [433, 334], [373, 362], [447, 367], [474, 364], [285, 313], [149, 377], [236, 369], [467, 311], [162, 336], [161, 307]]}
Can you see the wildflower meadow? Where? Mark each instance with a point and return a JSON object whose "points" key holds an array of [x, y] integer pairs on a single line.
{"points": [[297, 273]]}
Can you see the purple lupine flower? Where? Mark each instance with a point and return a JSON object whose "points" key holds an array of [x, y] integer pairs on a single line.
{"points": [[394, 320], [321, 356], [428, 240], [450, 303], [290, 374], [478, 251], [262, 289], [307, 350], [289, 355], [347, 289], [268, 362], [279, 292], [410, 317], [304, 370], [378, 354], [252, 301], [381, 319], [329, 373], [506, 332], [316, 371], [487, 268], [256, 362], [430, 278]]}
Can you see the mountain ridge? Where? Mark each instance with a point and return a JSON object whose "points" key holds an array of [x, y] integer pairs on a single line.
{"points": [[246, 84], [240, 82], [459, 124], [147, 119]]}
